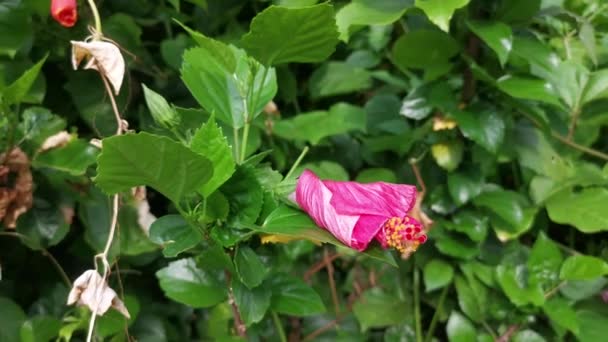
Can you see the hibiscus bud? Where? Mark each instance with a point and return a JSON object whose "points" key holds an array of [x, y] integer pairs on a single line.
{"points": [[64, 12], [161, 111]]}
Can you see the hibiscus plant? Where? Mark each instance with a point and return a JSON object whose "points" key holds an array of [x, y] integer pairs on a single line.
{"points": [[299, 170]]}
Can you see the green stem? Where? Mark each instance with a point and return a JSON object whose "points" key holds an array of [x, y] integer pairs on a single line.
{"points": [[98, 31], [279, 326], [417, 305], [429, 334], [235, 133], [244, 145], [297, 163]]}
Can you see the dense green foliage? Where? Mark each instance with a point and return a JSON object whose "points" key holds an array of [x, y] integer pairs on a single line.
{"points": [[496, 108]]}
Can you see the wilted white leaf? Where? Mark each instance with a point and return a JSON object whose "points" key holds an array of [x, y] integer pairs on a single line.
{"points": [[91, 290], [102, 56]]}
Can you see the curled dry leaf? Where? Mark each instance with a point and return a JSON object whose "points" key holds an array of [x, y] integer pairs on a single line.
{"points": [[102, 56], [56, 140], [144, 217], [16, 186], [90, 288], [271, 108]]}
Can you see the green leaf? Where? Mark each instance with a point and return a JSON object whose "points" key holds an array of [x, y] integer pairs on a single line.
{"points": [[210, 142], [291, 296], [249, 267], [437, 274], [473, 224], [583, 267], [570, 80], [114, 322], [174, 234], [338, 78], [245, 195], [440, 11], [597, 86], [528, 89], [252, 303], [545, 260], [460, 329], [583, 289], [14, 18], [12, 317], [376, 175], [486, 128], [560, 311], [222, 85], [469, 301], [582, 209], [285, 35], [592, 325], [40, 329], [508, 205], [519, 291], [587, 37], [497, 35], [184, 282], [369, 12], [16, 92], [448, 154], [378, 309], [162, 113], [518, 11], [43, 225], [438, 48], [464, 187], [527, 335], [73, 158], [314, 126], [169, 167]]}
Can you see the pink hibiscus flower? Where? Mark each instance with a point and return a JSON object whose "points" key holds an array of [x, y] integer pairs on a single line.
{"points": [[357, 213]]}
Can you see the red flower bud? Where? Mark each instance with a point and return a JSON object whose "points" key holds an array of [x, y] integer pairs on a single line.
{"points": [[64, 12]]}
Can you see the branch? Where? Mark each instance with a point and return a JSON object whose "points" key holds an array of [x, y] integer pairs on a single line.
{"points": [[239, 326], [508, 334]]}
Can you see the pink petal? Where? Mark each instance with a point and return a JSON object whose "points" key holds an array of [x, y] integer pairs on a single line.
{"points": [[314, 198], [365, 230], [379, 199]]}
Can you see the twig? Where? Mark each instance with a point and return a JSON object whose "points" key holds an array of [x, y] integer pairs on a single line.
{"points": [[47, 254], [294, 333], [554, 290], [239, 326], [419, 179], [567, 142], [332, 282], [581, 148], [468, 79], [319, 266], [575, 114], [507, 335]]}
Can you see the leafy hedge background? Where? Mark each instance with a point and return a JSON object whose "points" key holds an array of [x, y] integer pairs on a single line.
{"points": [[500, 106]]}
